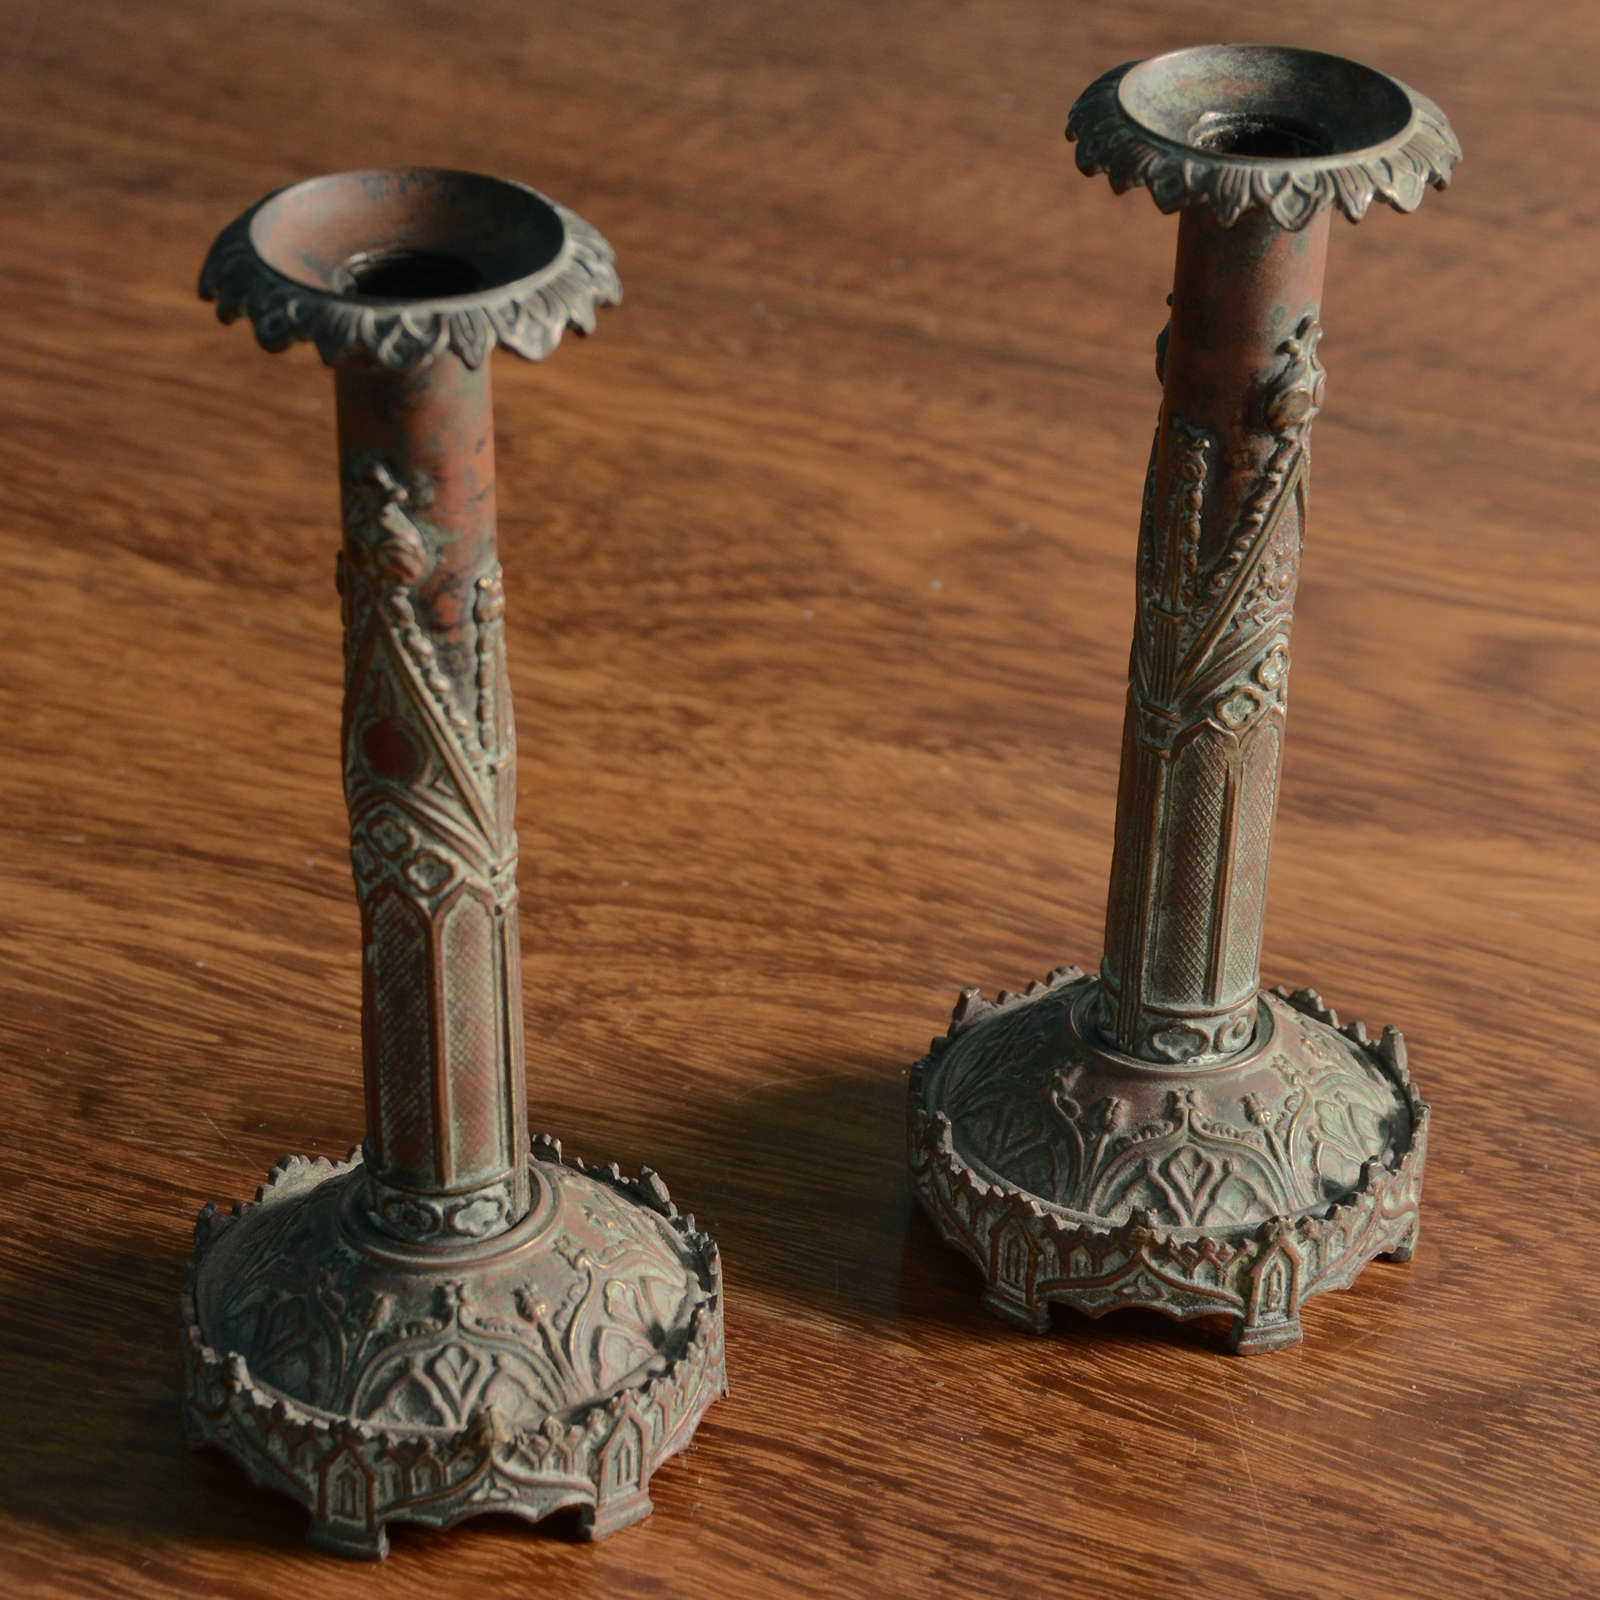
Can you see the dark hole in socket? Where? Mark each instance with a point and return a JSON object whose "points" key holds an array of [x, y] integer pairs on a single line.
{"points": [[408, 275], [1239, 133]]}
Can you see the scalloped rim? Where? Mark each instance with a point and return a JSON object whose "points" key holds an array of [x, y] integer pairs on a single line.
{"points": [[702, 1361], [1382, 1188], [527, 316], [1398, 171]]}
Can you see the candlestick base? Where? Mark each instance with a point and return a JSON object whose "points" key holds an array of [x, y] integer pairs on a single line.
{"points": [[556, 1364], [1071, 1172]]}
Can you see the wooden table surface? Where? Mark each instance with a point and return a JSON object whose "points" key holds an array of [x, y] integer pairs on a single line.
{"points": [[819, 567]]}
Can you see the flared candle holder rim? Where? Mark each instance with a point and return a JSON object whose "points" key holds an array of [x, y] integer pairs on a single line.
{"points": [[261, 216], [1408, 147], [1141, 72], [248, 273]]}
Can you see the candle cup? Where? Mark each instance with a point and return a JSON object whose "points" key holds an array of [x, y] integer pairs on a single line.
{"points": [[1166, 1134], [455, 1319]]}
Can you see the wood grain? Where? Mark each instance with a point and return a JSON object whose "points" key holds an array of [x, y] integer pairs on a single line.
{"points": [[819, 570]]}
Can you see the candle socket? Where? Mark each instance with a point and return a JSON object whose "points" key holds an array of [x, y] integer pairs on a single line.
{"points": [[1166, 1133], [454, 1320]]}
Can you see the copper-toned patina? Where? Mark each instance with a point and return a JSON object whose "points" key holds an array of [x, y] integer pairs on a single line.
{"points": [[1165, 1134], [451, 1321]]}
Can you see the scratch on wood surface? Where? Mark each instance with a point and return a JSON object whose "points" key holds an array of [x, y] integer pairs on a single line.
{"points": [[1250, 1477], [227, 1143]]}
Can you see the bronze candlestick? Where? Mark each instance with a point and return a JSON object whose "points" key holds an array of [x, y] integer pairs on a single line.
{"points": [[446, 1323], [1166, 1134]]}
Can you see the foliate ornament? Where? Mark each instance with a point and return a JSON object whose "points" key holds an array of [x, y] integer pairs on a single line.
{"points": [[379, 521], [1294, 396], [389, 548], [1068, 1173], [1208, 693], [1418, 150], [526, 315], [474, 1213], [555, 1365], [1258, 570], [1254, 575]]}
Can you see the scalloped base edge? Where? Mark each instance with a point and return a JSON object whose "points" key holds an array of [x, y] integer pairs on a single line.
{"points": [[356, 1478], [1033, 1253]]}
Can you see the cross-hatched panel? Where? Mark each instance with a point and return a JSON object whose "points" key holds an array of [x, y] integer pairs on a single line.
{"points": [[472, 1040], [1258, 790], [398, 971], [1191, 845]]}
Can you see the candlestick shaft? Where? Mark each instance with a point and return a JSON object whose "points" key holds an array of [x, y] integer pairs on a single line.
{"points": [[1219, 551], [430, 780]]}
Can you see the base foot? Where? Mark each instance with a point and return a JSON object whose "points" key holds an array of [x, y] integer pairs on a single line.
{"points": [[556, 1364], [1070, 1172], [1033, 1318], [354, 1544], [1254, 1339], [600, 1522], [1406, 1248]]}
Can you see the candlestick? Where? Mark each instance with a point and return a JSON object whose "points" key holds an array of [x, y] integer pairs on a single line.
{"points": [[1165, 1133], [451, 1321]]}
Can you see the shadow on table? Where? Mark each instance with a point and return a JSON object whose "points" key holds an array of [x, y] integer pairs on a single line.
{"points": [[802, 1180], [89, 1366]]}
